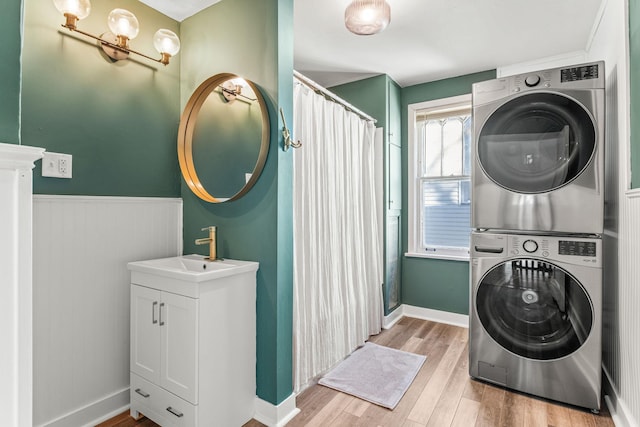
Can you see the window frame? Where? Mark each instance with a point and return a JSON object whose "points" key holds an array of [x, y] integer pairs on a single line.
{"points": [[414, 226]]}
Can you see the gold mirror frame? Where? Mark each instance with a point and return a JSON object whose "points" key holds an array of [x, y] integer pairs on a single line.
{"points": [[188, 122]]}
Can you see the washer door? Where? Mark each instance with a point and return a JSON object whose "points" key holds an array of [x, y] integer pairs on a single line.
{"points": [[536, 143], [534, 309]]}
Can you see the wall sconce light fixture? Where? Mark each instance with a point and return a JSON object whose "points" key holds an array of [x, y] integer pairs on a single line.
{"points": [[367, 17], [124, 27]]}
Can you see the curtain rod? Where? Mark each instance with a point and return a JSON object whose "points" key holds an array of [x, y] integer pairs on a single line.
{"points": [[319, 89]]}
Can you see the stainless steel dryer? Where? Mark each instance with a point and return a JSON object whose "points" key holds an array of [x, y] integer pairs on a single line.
{"points": [[535, 315], [538, 151]]}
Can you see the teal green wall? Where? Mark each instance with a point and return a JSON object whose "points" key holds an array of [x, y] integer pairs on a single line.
{"points": [[10, 20], [368, 95], [118, 121], [634, 83], [254, 39], [433, 283]]}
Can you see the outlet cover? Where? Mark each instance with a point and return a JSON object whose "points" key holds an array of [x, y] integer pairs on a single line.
{"points": [[56, 165]]}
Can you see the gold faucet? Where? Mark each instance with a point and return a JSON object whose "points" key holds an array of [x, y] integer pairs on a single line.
{"points": [[211, 240]]}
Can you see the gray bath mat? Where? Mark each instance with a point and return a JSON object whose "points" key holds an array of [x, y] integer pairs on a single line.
{"points": [[377, 374]]}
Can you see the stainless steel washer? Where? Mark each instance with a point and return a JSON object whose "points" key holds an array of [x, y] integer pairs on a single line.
{"points": [[535, 315], [539, 151]]}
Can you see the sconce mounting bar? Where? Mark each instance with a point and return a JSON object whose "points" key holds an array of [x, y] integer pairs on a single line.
{"points": [[114, 46]]}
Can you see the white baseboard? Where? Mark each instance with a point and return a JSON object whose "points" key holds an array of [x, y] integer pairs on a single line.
{"points": [[276, 416], [392, 318], [95, 412], [446, 317], [620, 412]]}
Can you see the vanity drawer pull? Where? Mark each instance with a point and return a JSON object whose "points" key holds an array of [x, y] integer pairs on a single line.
{"points": [[142, 393], [174, 412]]}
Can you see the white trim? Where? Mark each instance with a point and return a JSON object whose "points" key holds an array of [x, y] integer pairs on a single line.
{"points": [[620, 412], [112, 199], [19, 157], [413, 156], [95, 412], [16, 300], [276, 416], [439, 316], [435, 256], [634, 193], [392, 318], [596, 25]]}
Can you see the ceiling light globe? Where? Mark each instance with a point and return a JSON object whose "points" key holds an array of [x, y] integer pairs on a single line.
{"points": [[78, 8], [123, 23], [166, 41], [367, 17]]}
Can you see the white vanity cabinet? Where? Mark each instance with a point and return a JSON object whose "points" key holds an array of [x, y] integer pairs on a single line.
{"points": [[164, 330], [193, 341]]}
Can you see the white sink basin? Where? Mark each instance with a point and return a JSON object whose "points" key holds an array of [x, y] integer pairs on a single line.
{"points": [[187, 268], [195, 263]]}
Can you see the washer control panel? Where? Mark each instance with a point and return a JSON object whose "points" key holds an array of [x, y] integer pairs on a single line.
{"points": [[574, 250], [532, 245]]}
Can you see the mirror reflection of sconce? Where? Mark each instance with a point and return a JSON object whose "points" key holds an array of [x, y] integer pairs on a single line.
{"points": [[232, 90], [124, 27]]}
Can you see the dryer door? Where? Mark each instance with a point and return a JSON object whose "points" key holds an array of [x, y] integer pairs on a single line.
{"points": [[534, 309], [536, 143]]}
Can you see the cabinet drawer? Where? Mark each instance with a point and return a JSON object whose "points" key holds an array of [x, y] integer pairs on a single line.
{"points": [[161, 406]]}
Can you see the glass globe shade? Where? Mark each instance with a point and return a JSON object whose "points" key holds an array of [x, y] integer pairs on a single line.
{"points": [[166, 41], [123, 23], [78, 8], [366, 17]]}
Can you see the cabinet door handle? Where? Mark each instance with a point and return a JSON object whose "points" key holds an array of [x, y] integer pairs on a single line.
{"points": [[142, 393], [174, 412], [161, 321], [153, 312]]}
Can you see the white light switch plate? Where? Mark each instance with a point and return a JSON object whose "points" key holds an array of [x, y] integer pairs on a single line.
{"points": [[56, 165]]}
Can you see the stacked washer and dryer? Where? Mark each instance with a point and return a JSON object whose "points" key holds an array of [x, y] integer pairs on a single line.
{"points": [[537, 217]]}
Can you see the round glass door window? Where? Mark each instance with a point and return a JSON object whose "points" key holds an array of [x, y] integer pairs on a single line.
{"points": [[536, 143], [534, 309]]}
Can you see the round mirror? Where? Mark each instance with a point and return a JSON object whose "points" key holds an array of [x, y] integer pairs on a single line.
{"points": [[223, 138]]}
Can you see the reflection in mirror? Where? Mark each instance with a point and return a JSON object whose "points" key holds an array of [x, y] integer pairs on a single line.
{"points": [[223, 138]]}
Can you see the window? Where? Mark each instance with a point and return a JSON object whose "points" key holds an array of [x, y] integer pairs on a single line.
{"points": [[440, 178]]}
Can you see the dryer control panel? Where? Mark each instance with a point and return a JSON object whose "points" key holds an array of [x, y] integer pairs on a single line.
{"points": [[584, 72], [580, 77]]}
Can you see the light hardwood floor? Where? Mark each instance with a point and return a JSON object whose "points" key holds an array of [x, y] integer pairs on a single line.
{"points": [[441, 395]]}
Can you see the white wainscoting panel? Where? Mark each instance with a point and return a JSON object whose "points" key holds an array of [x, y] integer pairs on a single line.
{"points": [[81, 298], [624, 346], [621, 249]]}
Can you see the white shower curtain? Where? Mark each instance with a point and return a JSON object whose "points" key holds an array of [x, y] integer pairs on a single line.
{"points": [[337, 261]]}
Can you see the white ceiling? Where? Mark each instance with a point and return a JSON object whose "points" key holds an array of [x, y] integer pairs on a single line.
{"points": [[180, 9], [428, 40]]}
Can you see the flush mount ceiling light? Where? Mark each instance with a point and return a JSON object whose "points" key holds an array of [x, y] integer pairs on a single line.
{"points": [[366, 17], [124, 27]]}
